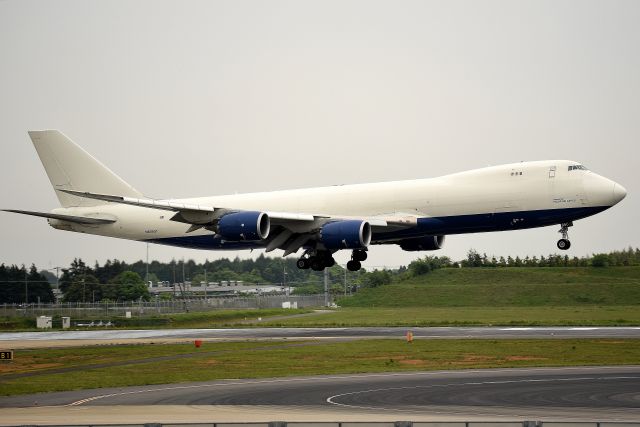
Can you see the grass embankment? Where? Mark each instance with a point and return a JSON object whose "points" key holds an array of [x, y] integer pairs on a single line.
{"points": [[494, 296], [262, 360], [503, 287]]}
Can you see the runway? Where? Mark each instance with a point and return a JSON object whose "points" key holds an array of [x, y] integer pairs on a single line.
{"points": [[26, 339], [578, 393]]}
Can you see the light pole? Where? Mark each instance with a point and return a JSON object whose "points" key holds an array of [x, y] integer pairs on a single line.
{"points": [[146, 278], [345, 280], [326, 287], [57, 269], [284, 278], [26, 287]]}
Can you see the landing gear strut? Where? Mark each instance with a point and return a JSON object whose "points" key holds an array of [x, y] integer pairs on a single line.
{"points": [[564, 243], [316, 260]]}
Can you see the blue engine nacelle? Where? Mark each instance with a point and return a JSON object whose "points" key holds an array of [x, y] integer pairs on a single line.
{"points": [[244, 226], [429, 243], [348, 234]]}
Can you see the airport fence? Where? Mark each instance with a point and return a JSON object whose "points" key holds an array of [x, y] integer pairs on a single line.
{"points": [[107, 310]]}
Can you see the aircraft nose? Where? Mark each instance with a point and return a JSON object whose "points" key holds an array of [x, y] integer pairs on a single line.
{"points": [[619, 192], [602, 191]]}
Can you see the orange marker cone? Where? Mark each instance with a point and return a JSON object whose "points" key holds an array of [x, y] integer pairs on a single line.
{"points": [[409, 337], [198, 343]]}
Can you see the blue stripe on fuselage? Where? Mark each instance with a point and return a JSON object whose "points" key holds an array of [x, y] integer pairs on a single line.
{"points": [[458, 224]]}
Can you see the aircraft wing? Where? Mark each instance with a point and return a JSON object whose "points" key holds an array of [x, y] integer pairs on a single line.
{"points": [[187, 213], [295, 230]]}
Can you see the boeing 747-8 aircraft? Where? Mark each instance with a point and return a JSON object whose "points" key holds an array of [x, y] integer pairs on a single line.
{"points": [[416, 214]]}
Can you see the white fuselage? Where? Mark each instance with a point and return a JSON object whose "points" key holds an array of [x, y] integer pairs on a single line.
{"points": [[489, 199]]}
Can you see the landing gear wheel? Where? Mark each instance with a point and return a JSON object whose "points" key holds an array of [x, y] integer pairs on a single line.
{"points": [[303, 263], [564, 244], [316, 263], [354, 265], [330, 262], [359, 255]]}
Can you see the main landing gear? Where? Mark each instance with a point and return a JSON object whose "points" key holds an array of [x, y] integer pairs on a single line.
{"points": [[564, 243], [317, 261], [357, 256]]}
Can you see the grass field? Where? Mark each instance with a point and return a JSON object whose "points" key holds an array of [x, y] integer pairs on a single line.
{"points": [[502, 287], [138, 365], [468, 316]]}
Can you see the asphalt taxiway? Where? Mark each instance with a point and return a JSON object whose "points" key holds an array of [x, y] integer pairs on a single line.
{"points": [[93, 336], [559, 394]]}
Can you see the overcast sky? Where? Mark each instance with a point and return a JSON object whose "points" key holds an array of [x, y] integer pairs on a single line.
{"points": [[195, 98]]}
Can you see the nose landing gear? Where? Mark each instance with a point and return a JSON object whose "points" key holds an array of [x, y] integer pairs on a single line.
{"points": [[564, 243]]}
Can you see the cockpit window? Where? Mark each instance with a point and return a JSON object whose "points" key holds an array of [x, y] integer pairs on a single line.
{"points": [[575, 167]]}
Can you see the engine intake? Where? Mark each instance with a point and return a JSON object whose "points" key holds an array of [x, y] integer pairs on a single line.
{"points": [[244, 226], [347, 234], [429, 243]]}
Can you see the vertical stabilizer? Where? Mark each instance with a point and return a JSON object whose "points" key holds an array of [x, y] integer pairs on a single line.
{"points": [[69, 167]]}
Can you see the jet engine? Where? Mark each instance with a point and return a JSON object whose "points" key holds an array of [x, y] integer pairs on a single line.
{"points": [[244, 226], [347, 234], [428, 243]]}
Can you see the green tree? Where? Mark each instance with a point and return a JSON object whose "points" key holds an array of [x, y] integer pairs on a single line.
{"points": [[74, 274], [474, 259], [84, 288], [129, 286], [419, 267], [600, 260], [14, 290], [376, 278]]}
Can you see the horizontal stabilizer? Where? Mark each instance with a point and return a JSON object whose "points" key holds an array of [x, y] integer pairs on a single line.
{"points": [[70, 218]]}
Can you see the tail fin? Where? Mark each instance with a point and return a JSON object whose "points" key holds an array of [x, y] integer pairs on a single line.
{"points": [[69, 167]]}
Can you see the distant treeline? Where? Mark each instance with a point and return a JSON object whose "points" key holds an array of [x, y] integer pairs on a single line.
{"points": [[625, 257], [262, 270], [118, 280], [19, 284]]}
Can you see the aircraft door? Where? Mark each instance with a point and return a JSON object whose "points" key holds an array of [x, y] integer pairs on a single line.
{"points": [[551, 188]]}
